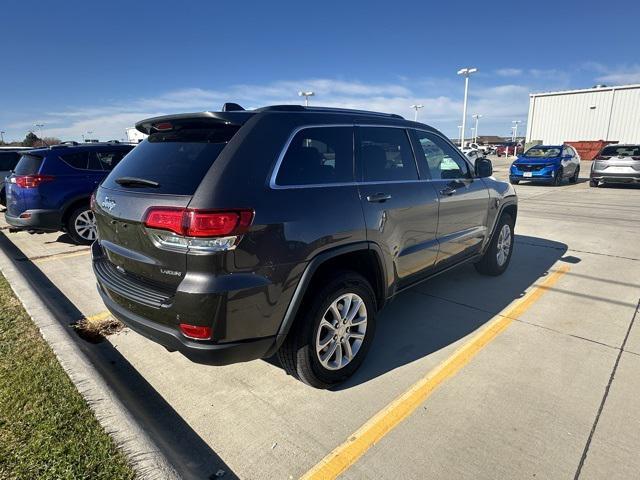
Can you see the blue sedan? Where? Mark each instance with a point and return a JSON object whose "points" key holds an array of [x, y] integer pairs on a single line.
{"points": [[546, 164]]}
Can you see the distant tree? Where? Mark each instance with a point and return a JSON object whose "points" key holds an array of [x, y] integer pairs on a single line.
{"points": [[30, 140], [51, 141]]}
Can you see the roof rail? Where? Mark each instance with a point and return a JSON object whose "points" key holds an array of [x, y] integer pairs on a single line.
{"points": [[300, 108], [64, 144], [113, 141]]}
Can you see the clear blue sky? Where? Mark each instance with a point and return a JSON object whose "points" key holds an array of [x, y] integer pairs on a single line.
{"points": [[100, 66]]}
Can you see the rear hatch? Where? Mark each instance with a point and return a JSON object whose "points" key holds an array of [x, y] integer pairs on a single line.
{"points": [[620, 159], [164, 171], [28, 165]]}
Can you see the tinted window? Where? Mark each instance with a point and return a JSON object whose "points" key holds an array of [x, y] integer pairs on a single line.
{"points": [[28, 165], [77, 160], [442, 160], [318, 156], [385, 154], [545, 152], [105, 160], [8, 160], [177, 160]]}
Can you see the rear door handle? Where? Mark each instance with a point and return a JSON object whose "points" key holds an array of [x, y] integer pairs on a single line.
{"points": [[447, 191], [378, 197]]}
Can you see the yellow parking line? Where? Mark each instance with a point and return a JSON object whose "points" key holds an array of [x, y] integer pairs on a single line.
{"points": [[345, 455], [58, 256]]}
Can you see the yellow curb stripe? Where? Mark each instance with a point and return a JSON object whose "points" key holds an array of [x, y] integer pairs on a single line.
{"points": [[345, 455], [60, 256]]}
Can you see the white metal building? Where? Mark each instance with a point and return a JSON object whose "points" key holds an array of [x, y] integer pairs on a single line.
{"points": [[135, 136], [599, 113]]}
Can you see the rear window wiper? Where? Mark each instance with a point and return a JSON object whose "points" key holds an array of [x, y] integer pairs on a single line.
{"points": [[135, 181]]}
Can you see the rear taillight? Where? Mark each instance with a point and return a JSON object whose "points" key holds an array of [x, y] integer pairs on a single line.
{"points": [[32, 181], [195, 331], [198, 230], [92, 202]]}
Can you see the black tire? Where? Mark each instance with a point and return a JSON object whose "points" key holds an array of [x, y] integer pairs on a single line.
{"points": [[79, 235], [594, 183], [514, 182], [298, 355], [557, 181], [575, 176], [489, 264]]}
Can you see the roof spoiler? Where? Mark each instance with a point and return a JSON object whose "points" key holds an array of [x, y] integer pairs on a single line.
{"points": [[193, 120]]}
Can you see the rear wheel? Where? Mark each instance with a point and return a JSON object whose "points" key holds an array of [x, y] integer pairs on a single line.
{"points": [[498, 255], [332, 333], [593, 183], [514, 182], [575, 176], [81, 226]]}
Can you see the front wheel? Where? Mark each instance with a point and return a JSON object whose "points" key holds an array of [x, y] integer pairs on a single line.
{"points": [[332, 333], [81, 226], [594, 183], [557, 181], [498, 254], [575, 176]]}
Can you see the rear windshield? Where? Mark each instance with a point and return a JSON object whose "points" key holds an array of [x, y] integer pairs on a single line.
{"points": [[539, 152], [28, 165], [177, 161], [621, 151]]}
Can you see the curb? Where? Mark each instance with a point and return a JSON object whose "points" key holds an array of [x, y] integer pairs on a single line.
{"points": [[142, 452]]}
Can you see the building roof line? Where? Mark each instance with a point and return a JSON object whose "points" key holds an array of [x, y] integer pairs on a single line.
{"points": [[586, 90]]}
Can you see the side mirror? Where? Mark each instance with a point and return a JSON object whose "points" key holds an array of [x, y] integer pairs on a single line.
{"points": [[484, 167]]}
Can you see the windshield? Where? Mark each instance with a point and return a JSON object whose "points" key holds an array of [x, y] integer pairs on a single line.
{"points": [[621, 151], [542, 152]]}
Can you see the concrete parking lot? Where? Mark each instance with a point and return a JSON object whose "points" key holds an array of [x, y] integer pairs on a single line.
{"points": [[554, 394]]}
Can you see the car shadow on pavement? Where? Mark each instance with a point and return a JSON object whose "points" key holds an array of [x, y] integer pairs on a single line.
{"points": [[437, 313], [187, 452]]}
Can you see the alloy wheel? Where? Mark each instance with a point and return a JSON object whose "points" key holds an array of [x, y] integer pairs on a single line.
{"points": [[504, 245], [341, 331], [85, 225]]}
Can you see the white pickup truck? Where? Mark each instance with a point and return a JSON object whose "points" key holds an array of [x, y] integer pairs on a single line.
{"points": [[485, 149]]}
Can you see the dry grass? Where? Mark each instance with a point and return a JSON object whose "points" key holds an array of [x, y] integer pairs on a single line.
{"points": [[95, 328]]}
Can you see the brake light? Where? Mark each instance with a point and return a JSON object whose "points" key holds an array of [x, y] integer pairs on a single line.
{"points": [[196, 332], [92, 202], [199, 223], [163, 127], [32, 181]]}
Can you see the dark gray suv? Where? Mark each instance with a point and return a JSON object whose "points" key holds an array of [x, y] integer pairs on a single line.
{"points": [[230, 236]]}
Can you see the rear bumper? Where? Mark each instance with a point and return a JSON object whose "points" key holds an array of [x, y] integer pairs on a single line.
{"points": [[44, 220], [204, 352], [615, 177]]}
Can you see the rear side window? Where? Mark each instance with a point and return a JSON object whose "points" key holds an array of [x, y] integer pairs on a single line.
{"points": [[77, 160], [177, 160], [320, 155], [8, 160], [385, 154], [105, 160], [28, 165]]}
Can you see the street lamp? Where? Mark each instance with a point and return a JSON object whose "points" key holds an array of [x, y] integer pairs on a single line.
{"points": [[39, 126], [476, 116], [416, 108], [466, 73], [460, 133], [306, 96], [2, 136]]}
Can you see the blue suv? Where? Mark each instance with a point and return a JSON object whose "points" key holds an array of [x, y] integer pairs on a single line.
{"points": [[50, 188], [546, 164]]}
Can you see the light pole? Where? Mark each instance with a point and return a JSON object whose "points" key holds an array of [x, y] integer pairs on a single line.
{"points": [[476, 116], [460, 134], [39, 127], [306, 96], [473, 134], [2, 136], [466, 73], [416, 108]]}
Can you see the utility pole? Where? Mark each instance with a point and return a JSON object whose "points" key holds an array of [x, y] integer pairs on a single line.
{"points": [[476, 116]]}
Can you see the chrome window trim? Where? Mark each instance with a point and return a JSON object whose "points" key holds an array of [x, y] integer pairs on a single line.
{"points": [[276, 168]]}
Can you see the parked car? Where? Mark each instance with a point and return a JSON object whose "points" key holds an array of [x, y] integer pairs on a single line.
{"points": [[616, 164], [509, 148], [232, 235], [485, 149], [50, 188], [472, 154], [9, 157], [547, 164]]}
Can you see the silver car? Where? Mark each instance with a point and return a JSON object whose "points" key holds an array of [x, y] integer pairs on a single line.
{"points": [[616, 164]]}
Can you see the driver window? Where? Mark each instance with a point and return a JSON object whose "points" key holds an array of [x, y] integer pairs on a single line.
{"points": [[443, 161]]}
